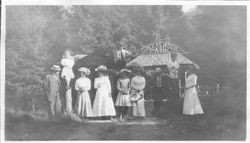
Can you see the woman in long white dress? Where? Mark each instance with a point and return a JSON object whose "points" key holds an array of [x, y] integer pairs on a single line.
{"points": [[103, 105], [191, 103], [138, 84], [82, 86]]}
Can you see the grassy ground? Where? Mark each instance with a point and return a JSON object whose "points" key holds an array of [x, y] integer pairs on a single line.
{"points": [[224, 119]]}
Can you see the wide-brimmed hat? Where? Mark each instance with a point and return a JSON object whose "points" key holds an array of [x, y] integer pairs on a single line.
{"points": [[84, 70], [101, 68], [55, 68], [124, 72]]}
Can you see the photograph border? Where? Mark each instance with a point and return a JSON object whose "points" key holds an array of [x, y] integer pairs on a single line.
{"points": [[109, 2]]}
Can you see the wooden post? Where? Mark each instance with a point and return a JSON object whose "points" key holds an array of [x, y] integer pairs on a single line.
{"points": [[68, 101], [179, 82], [185, 76], [217, 88], [33, 107]]}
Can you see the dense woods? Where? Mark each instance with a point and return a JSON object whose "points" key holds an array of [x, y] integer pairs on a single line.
{"points": [[37, 36]]}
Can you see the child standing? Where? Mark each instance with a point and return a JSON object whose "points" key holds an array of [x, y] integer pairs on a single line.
{"points": [[123, 98]]}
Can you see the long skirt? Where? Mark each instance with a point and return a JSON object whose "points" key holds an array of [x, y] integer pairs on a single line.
{"points": [[123, 100], [191, 103], [138, 108], [83, 105], [103, 103]]}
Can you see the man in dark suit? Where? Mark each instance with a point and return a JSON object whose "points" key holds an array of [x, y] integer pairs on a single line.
{"points": [[157, 92], [51, 84]]}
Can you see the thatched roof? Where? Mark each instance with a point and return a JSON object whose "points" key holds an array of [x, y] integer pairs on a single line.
{"points": [[161, 47], [158, 59]]}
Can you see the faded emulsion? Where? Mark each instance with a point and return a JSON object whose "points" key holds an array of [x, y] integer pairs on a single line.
{"points": [[155, 72]]}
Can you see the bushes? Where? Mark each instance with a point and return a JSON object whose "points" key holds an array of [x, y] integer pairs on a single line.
{"points": [[36, 37]]}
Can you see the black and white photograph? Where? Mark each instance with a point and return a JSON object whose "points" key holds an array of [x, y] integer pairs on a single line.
{"points": [[165, 72]]}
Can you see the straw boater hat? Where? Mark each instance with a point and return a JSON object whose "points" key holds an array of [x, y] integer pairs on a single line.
{"points": [[158, 69], [124, 72], [101, 68], [55, 68], [84, 70]]}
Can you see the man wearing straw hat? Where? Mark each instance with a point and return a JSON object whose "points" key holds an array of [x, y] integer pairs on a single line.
{"points": [[51, 84]]}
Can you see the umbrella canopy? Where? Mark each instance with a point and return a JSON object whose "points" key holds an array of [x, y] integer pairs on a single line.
{"points": [[93, 60], [147, 60]]}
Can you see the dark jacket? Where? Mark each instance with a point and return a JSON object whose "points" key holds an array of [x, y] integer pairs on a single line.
{"points": [[51, 85]]}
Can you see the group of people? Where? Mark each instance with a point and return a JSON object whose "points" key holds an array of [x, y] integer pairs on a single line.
{"points": [[130, 94], [130, 98]]}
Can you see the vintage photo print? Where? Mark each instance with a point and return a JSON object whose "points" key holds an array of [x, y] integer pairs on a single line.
{"points": [[124, 71]]}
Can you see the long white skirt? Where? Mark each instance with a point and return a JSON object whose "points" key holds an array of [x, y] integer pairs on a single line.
{"points": [[138, 108], [191, 103], [103, 103], [83, 105]]}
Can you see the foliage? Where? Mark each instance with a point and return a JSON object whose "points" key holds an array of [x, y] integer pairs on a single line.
{"points": [[37, 36]]}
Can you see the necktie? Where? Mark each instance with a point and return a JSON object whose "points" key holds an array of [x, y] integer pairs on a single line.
{"points": [[57, 79], [158, 81]]}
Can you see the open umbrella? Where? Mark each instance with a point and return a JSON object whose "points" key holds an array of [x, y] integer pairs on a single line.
{"points": [[93, 60]]}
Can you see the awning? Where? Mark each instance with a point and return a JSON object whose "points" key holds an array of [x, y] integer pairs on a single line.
{"points": [[147, 60]]}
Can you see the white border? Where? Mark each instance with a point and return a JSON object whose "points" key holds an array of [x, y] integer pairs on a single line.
{"points": [[248, 74], [2, 78], [122, 2], [108, 2]]}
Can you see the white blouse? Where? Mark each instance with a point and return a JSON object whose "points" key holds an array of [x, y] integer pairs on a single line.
{"points": [[83, 83], [68, 62], [102, 82], [191, 80]]}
